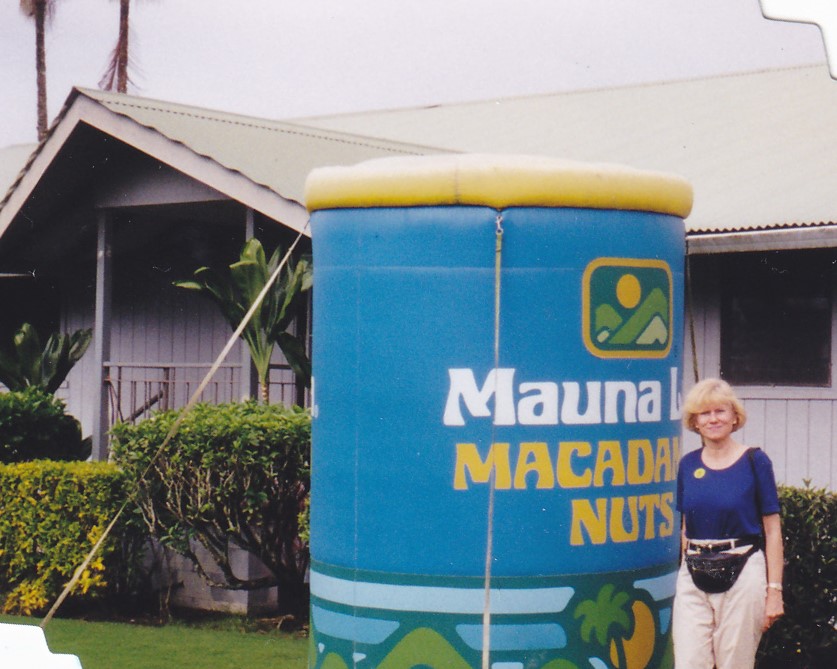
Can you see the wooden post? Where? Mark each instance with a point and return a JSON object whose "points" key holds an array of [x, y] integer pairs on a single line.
{"points": [[101, 334]]}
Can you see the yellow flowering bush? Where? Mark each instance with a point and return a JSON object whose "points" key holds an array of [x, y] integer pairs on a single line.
{"points": [[53, 514]]}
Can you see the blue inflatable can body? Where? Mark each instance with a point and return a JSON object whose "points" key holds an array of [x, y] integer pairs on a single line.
{"points": [[497, 364]]}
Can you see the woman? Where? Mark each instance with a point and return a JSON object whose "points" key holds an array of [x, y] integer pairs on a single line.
{"points": [[727, 495]]}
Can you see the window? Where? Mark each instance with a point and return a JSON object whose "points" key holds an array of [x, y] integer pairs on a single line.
{"points": [[776, 318]]}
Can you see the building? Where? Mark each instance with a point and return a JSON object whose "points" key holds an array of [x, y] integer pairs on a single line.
{"points": [[126, 194]]}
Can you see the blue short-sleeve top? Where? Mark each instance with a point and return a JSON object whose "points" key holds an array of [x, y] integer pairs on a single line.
{"points": [[726, 503]]}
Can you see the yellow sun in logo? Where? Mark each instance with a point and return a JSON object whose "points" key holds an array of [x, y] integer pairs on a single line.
{"points": [[628, 291], [700, 472]]}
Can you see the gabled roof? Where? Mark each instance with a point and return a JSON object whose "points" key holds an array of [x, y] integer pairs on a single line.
{"points": [[760, 148], [258, 162]]}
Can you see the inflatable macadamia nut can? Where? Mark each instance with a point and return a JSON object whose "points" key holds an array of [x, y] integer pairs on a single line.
{"points": [[497, 402]]}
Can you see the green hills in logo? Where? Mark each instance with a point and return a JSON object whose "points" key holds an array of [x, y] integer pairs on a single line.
{"points": [[627, 308], [647, 326]]}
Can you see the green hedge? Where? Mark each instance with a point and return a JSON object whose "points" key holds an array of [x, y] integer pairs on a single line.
{"points": [[34, 425], [234, 475], [806, 637], [53, 513]]}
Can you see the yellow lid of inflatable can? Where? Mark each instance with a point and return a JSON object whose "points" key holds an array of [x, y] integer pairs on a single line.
{"points": [[497, 181]]}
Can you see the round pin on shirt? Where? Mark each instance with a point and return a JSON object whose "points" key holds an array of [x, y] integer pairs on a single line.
{"points": [[700, 472]]}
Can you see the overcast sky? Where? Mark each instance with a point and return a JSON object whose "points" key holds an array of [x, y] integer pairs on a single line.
{"points": [[291, 58]]}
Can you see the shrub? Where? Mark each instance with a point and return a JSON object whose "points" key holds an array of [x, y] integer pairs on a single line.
{"points": [[34, 425], [233, 475], [805, 638], [53, 513]]}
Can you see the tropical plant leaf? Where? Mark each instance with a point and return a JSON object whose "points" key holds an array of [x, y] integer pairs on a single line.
{"points": [[249, 280], [190, 285], [294, 352], [55, 354], [10, 373], [235, 290], [297, 283], [60, 355], [45, 366], [79, 342], [28, 347]]}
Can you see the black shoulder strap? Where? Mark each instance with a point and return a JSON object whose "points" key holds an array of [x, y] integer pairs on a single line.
{"points": [[751, 456]]}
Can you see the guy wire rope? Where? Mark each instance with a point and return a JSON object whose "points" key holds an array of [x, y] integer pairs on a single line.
{"points": [[489, 541], [690, 312], [193, 400]]}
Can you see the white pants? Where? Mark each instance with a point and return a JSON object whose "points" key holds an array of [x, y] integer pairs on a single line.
{"points": [[721, 630]]}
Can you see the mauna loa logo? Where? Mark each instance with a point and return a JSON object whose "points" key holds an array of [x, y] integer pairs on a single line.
{"points": [[627, 308]]}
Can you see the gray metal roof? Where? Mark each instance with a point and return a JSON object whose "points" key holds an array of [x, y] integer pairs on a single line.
{"points": [[270, 153], [258, 162], [759, 148]]}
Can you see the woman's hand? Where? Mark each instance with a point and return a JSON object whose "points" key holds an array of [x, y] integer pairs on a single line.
{"points": [[774, 608]]}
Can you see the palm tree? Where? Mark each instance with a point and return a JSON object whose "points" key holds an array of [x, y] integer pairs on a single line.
{"points": [[606, 612], [116, 74], [235, 291], [40, 11]]}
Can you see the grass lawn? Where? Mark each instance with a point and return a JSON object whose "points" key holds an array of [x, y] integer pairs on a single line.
{"points": [[177, 645]]}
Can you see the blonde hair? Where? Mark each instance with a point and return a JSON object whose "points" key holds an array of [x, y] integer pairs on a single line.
{"points": [[708, 393]]}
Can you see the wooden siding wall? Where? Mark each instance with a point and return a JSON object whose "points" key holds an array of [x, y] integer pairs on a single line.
{"points": [[156, 327], [799, 436], [796, 427], [76, 313]]}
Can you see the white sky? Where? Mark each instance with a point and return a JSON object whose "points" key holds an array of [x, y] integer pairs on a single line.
{"points": [[290, 58]]}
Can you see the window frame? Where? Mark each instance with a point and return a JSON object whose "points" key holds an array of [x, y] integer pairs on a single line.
{"points": [[823, 260]]}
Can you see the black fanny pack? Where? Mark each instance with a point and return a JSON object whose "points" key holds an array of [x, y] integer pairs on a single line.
{"points": [[714, 570]]}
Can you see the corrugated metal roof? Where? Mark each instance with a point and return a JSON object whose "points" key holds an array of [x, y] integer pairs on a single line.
{"points": [[758, 148], [258, 162], [274, 154]]}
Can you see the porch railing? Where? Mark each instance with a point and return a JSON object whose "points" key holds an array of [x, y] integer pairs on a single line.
{"points": [[283, 387], [138, 389]]}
